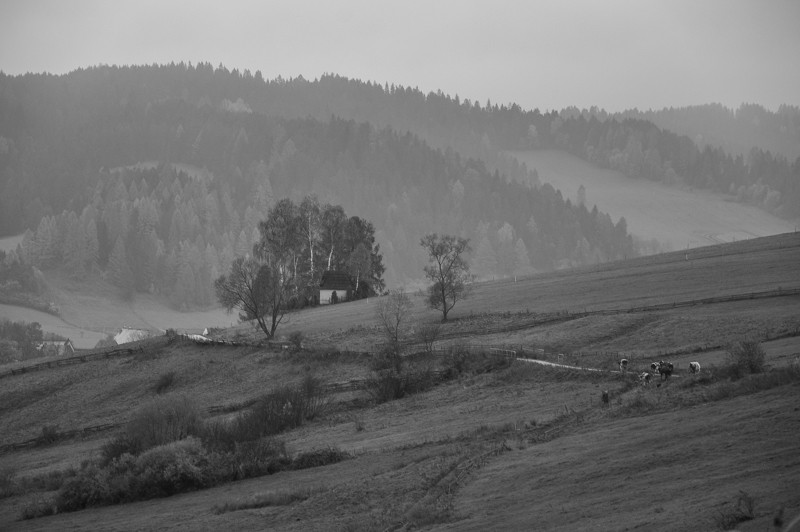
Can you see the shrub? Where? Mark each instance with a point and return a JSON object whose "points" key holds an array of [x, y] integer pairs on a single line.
{"points": [[7, 474], [88, 488], [118, 446], [280, 410], [296, 339], [458, 361], [314, 396], [746, 357], [164, 382], [163, 421], [39, 507], [743, 511], [49, 435], [262, 457], [386, 385], [167, 469], [158, 472], [428, 333]]}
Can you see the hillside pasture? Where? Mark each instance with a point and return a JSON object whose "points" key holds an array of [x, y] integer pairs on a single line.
{"points": [[548, 309], [518, 449], [671, 471], [675, 216], [522, 447]]}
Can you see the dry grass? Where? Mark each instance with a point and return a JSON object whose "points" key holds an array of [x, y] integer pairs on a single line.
{"points": [[417, 461]]}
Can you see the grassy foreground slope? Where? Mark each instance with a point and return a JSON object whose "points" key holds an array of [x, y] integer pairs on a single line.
{"points": [[524, 447]]}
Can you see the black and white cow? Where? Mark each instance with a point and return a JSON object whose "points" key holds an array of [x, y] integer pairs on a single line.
{"points": [[665, 369], [694, 367], [644, 378], [623, 365], [654, 366]]}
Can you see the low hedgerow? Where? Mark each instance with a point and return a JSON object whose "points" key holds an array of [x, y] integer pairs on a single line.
{"points": [[388, 384], [319, 458], [40, 506], [459, 361], [177, 467], [167, 449], [50, 481], [161, 471]]}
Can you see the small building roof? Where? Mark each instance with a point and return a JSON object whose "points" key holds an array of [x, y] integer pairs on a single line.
{"points": [[130, 335], [335, 281]]}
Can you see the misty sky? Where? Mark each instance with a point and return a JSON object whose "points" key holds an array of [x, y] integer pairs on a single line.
{"points": [[615, 54]]}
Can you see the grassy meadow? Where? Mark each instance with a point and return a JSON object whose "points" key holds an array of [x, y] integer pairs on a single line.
{"points": [[490, 444], [677, 217]]}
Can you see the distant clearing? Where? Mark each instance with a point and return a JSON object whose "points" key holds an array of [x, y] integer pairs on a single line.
{"points": [[81, 338], [91, 310], [9, 243], [679, 218]]}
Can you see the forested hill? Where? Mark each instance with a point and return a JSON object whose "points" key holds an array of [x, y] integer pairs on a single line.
{"points": [[736, 131], [87, 167], [636, 147]]}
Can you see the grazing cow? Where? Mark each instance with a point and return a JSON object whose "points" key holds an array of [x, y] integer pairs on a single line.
{"points": [[654, 366], [623, 365], [665, 369], [644, 378], [605, 397], [694, 367]]}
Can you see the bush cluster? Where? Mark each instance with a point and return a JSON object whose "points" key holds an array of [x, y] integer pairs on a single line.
{"points": [[394, 376], [459, 361], [167, 449]]}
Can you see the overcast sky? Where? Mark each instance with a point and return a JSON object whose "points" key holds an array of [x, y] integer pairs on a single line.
{"points": [[615, 54]]}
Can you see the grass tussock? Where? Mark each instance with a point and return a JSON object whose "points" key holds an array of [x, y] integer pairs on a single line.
{"points": [[164, 383], [743, 510], [49, 435]]}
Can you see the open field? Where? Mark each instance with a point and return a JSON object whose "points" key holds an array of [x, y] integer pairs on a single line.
{"points": [[91, 310], [81, 338], [9, 243], [522, 447], [678, 218]]}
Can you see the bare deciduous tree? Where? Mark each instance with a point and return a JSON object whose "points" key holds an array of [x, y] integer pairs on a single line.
{"points": [[258, 290], [392, 313]]}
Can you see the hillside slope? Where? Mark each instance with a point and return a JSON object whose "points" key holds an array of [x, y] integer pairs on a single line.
{"points": [[515, 447], [677, 218]]}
